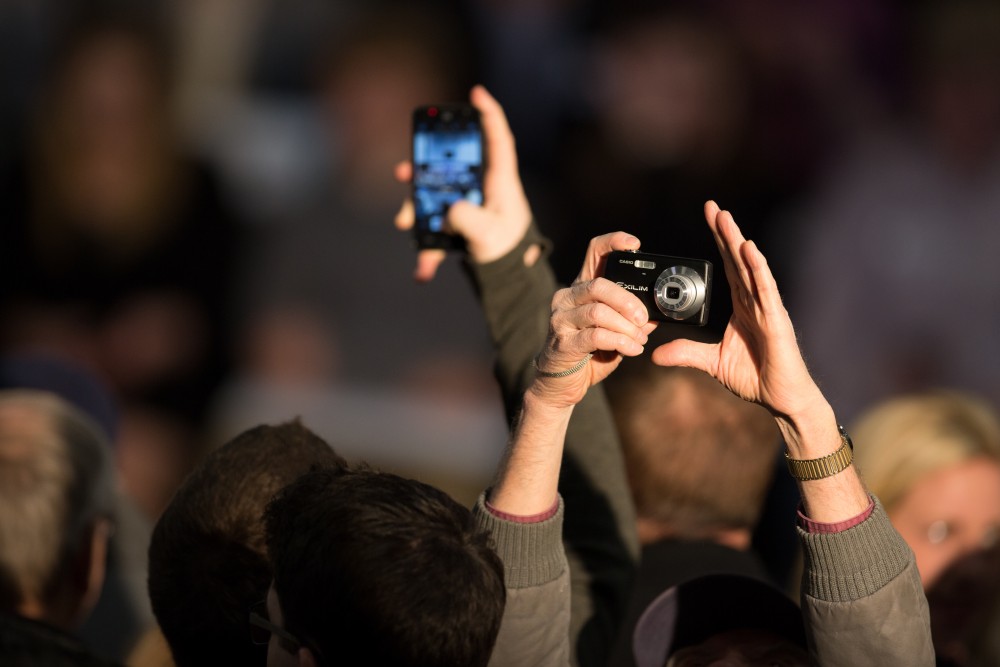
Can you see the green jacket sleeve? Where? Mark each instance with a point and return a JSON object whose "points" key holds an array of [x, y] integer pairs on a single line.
{"points": [[862, 600], [535, 627], [599, 532]]}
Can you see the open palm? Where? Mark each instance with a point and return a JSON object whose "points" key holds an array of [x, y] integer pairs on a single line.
{"points": [[758, 358]]}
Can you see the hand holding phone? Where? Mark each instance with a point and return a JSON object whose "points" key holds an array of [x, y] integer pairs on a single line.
{"points": [[447, 167], [492, 229]]}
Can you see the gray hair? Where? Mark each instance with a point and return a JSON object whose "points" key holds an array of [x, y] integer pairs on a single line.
{"points": [[56, 479]]}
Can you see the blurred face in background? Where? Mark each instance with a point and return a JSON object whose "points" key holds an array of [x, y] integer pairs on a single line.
{"points": [[104, 135], [670, 91], [950, 513]]}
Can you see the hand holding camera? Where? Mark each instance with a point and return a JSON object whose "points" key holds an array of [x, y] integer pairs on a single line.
{"points": [[758, 358], [591, 317]]}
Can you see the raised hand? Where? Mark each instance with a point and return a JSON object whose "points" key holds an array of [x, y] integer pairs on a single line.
{"points": [[495, 228], [592, 317], [758, 358]]}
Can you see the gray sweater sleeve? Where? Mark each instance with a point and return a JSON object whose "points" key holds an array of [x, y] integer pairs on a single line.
{"points": [[535, 626], [601, 543], [862, 600]]}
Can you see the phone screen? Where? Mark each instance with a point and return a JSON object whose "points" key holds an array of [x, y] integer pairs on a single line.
{"points": [[447, 166]]}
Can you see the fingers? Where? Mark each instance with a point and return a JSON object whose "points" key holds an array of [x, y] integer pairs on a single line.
{"points": [[428, 262], [712, 216], [496, 133], [772, 310], [598, 316], [602, 305], [403, 171], [470, 221], [597, 252], [768, 297], [406, 216], [729, 239], [602, 291], [711, 212], [734, 240]]}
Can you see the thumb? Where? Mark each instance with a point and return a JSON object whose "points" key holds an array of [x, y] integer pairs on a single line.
{"points": [[688, 354], [469, 220], [488, 236]]}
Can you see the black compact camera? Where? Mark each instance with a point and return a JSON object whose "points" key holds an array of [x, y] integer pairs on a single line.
{"points": [[674, 289]]}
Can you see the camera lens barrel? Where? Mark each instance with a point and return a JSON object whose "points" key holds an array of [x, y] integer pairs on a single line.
{"points": [[679, 291]]}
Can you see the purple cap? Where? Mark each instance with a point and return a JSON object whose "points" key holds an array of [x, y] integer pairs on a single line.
{"points": [[696, 610]]}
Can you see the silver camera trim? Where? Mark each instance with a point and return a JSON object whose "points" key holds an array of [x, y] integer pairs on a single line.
{"points": [[689, 281]]}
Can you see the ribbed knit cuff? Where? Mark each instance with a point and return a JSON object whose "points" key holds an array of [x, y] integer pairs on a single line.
{"points": [[532, 553], [855, 563]]}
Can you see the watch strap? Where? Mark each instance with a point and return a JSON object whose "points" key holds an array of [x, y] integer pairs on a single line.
{"points": [[826, 466]]}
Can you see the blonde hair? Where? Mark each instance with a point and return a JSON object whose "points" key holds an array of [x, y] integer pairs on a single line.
{"points": [[902, 439], [56, 478]]}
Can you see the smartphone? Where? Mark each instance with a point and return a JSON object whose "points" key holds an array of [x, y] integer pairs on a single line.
{"points": [[447, 166]]}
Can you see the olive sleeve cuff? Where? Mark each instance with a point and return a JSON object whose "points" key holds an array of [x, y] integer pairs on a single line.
{"points": [[854, 563], [532, 553]]}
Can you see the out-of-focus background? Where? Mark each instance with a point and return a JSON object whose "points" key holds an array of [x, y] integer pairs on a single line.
{"points": [[196, 198]]}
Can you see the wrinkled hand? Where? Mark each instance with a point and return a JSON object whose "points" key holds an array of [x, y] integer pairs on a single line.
{"points": [[593, 316], [758, 358], [495, 228]]}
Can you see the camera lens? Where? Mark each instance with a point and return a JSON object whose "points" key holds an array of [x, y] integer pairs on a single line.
{"points": [[679, 292]]}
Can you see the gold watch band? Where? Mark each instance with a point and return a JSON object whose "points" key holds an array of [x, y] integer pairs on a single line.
{"points": [[827, 466]]}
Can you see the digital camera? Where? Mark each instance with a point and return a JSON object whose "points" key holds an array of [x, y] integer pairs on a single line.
{"points": [[674, 289]]}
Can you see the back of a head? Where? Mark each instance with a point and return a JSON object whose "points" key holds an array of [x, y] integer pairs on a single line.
{"points": [[56, 481], [699, 459], [371, 568], [208, 559], [902, 439]]}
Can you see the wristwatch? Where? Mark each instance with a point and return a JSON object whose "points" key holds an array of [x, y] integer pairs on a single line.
{"points": [[827, 466]]}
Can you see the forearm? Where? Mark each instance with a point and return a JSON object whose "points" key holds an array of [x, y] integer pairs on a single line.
{"points": [[813, 434], [528, 477], [601, 543]]}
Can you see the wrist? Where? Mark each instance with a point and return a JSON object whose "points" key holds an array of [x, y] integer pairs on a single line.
{"points": [[810, 433], [498, 242], [540, 400]]}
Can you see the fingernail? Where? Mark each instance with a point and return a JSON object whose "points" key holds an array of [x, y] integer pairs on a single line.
{"points": [[631, 239]]}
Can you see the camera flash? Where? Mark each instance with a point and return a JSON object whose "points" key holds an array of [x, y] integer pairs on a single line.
{"points": [[643, 264]]}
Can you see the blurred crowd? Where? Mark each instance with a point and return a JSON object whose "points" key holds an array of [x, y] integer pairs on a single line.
{"points": [[196, 205]]}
